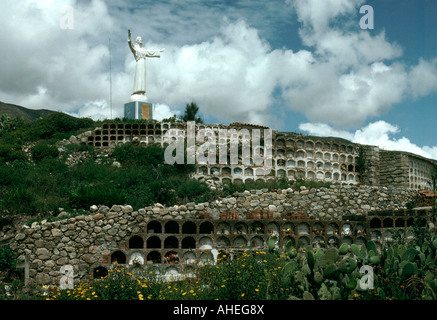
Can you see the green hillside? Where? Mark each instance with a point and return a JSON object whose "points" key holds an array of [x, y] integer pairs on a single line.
{"points": [[26, 114]]}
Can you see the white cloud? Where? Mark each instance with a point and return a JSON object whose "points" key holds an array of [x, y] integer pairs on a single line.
{"points": [[231, 77], [163, 111], [423, 78], [97, 110], [379, 133], [342, 78]]}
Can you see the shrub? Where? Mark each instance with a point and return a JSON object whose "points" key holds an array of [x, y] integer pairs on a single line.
{"points": [[130, 154], [192, 189], [85, 196], [10, 153], [7, 258], [18, 200], [44, 151]]}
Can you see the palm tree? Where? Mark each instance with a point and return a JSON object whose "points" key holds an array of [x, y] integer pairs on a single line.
{"points": [[190, 113]]}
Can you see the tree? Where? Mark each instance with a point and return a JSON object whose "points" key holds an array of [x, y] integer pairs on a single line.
{"points": [[190, 113], [9, 124]]}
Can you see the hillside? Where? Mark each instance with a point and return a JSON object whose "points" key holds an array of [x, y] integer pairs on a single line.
{"points": [[27, 114]]}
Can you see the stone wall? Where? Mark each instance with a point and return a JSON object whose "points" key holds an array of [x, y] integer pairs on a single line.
{"points": [[393, 169], [87, 242]]}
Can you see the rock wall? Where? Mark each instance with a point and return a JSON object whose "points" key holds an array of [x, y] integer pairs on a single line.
{"points": [[394, 169], [87, 241]]}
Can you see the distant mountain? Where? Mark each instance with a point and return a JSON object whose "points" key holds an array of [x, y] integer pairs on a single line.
{"points": [[27, 114]]}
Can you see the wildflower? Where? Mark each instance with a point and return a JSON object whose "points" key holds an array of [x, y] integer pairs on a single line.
{"points": [[243, 294]]}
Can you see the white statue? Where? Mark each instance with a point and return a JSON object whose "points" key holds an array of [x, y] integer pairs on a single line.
{"points": [[140, 54]]}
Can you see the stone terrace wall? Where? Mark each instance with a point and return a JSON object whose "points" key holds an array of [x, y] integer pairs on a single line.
{"points": [[86, 241], [394, 169]]}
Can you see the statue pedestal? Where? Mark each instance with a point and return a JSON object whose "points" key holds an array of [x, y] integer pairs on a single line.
{"points": [[139, 110]]}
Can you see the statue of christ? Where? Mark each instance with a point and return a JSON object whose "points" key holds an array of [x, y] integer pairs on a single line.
{"points": [[140, 54]]}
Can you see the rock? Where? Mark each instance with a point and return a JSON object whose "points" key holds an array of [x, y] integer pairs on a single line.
{"points": [[63, 214], [115, 208], [98, 216], [103, 209], [127, 209], [43, 253], [116, 164], [56, 232], [365, 207], [111, 215], [73, 139], [20, 236], [94, 208]]}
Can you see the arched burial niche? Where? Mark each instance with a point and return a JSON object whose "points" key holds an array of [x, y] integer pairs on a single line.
{"points": [[171, 227], [188, 243], [171, 243], [154, 227], [189, 227], [375, 223], [171, 257], [240, 228], [154, 257], [118, 257], [136, 242], [100, 272], [153, 243], [206, 228]]}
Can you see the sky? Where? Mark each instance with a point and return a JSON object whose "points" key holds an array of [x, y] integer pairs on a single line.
{"points": [[363, 70]]}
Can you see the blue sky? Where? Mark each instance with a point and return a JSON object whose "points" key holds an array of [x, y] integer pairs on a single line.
{"points": [[294, 65]]}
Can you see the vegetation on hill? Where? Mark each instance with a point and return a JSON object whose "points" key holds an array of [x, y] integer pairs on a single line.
{"points": [[44, 182], [25, 114]]}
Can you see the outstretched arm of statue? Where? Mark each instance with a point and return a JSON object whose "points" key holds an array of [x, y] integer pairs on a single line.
{"points": [[129, 41]]}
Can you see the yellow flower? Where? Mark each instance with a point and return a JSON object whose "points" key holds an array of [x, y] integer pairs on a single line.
{"points": [[242, 294]]}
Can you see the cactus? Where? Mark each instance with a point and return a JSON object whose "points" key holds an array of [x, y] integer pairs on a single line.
{"points": [[307, 296], [347, 265], [330, 270], [409, 255], [408, 270], [330, 257], [344, 248], [371, 246], [336, 295], [376, 259], [355, 249], [324, 293], [272, 243], [310, 259], [318, 278], [334, 273], [352, 284]]}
